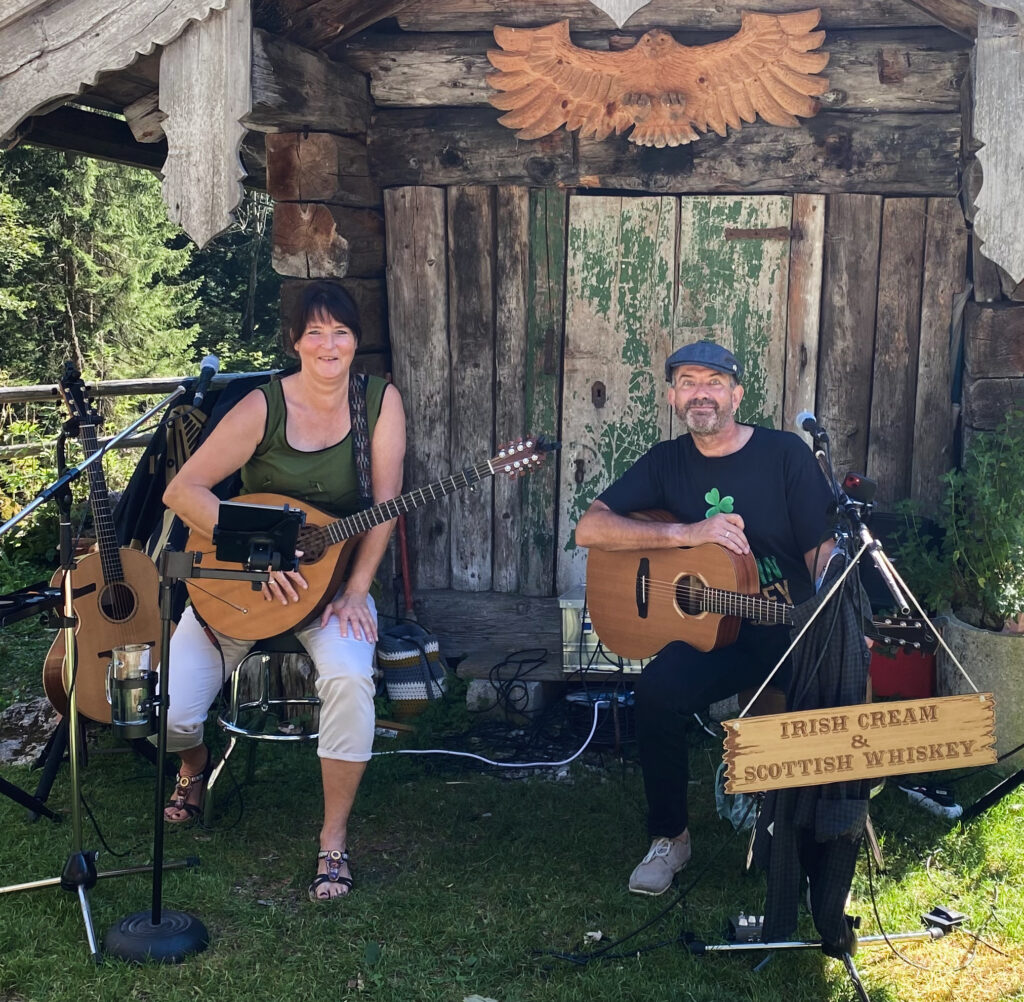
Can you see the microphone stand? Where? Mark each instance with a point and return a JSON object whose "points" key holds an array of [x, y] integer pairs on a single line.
{"points": [[79, 874], [161, 934]]}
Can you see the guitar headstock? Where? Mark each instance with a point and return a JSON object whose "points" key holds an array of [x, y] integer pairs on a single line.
{"points": [[903, 631], [522, 456], [72, 389]]}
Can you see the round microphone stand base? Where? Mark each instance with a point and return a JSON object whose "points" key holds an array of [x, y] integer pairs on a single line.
{"points": [[177, 935]]}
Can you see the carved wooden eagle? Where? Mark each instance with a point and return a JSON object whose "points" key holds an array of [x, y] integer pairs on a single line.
{"points": [[668, 92]]}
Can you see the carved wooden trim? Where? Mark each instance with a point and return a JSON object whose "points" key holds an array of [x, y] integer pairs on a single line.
{"points": [[205, 92], [52, 52]]}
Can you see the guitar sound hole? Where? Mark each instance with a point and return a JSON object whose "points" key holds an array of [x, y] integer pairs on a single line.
{"points": [[313, 543], [117, 602], [688, 594]]}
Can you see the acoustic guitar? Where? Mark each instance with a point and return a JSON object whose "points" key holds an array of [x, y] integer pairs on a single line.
{"points": [[327, 544], [641, 600], [115, 591]]}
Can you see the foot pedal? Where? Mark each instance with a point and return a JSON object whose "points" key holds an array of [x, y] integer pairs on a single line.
{"points": [[744, 928], [945, 919]]}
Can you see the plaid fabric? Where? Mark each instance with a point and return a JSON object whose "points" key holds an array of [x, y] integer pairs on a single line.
{"points": [[360, 435], [817, 830]]}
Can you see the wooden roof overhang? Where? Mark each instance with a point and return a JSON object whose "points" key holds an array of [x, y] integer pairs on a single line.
{"points": [[118, 65]]}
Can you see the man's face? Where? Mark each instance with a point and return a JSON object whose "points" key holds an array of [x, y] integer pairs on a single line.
{"points": [[705, 400]]}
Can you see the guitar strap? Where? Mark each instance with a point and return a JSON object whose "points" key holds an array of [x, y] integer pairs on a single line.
{"points": [[360, 436]]}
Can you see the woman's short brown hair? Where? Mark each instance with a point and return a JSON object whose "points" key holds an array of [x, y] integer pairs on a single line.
{"points": [[324, 299]]}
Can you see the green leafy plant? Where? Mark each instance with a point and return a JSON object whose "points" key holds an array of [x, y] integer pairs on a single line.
{"points": [[976, 563]]}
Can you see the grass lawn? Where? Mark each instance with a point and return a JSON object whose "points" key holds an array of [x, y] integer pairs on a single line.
{"points": [[471, 883]]}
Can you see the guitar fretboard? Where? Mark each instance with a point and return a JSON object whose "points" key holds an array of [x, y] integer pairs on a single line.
{"points": [[361, 521], [730, 603], [99, 499]]}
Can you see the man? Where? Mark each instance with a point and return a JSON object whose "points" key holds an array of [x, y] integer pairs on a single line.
{"points": [[746, 488]]}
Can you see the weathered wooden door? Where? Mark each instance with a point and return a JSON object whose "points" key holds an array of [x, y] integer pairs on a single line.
{"points": [[643, 276]]}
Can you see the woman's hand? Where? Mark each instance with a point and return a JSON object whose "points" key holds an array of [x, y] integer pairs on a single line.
{"points": [[353, 612], [284, 586]]}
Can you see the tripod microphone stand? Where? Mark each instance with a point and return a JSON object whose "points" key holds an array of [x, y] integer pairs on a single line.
{"points": [[161, 934], [79, 874]]}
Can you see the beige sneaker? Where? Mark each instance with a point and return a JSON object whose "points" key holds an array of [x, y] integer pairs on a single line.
{"points": [[665, 858]]}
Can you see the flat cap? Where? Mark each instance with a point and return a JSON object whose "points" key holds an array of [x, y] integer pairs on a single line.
{"points": [[706, 354]]}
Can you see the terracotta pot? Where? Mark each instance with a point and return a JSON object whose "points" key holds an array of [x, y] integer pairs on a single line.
{"points": [[995, 663]]}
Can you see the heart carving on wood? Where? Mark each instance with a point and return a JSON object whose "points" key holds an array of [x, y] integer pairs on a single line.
{"points": [[620, 11]]}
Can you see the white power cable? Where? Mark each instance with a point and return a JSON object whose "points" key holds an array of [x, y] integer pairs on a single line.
{"points": [[505, 765]]}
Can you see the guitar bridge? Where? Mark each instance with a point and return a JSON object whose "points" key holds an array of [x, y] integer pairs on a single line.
{"points": [[643, 581]]}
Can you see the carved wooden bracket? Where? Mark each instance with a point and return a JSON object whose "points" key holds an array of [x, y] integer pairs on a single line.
{"points": [[668, 93]]}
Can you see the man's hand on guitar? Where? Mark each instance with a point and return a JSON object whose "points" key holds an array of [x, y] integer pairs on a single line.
{"points": [[724, 529], [353, 613], [283, 585]]}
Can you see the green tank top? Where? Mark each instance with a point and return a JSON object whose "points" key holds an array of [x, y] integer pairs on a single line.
{"points": [[325, 478]]}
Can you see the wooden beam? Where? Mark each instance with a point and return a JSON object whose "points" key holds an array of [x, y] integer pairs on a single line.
{"points": [[312, 240], [900, 70], [317, 24], [891, 154], [319, 167], [960, 16], [294, 90], [995, 341], [482, 15]]}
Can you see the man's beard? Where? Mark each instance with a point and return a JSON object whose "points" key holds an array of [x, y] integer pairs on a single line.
{"points": [[705, 424]]}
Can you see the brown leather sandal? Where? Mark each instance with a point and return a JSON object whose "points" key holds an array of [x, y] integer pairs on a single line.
{"points": [[183, 787], [335, 859]]}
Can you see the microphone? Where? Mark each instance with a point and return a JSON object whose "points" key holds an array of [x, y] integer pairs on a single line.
{"points": [[210, 367], [806, 421]]}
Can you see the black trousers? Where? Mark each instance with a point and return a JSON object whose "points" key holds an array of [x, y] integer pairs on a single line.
{"points": [[679, 682]]}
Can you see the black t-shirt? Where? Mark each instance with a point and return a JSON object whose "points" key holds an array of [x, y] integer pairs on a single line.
{"points": [[773, 482]]}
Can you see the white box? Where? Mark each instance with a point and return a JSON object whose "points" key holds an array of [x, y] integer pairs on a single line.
{"points": [[581, 646]]}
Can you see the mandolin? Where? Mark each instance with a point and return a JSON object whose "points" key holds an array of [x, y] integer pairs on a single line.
{"points": [[234, 609], [641, 600], [115, 590]]}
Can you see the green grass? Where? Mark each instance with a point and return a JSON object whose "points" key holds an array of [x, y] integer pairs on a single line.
{"points": [[467, 881]]}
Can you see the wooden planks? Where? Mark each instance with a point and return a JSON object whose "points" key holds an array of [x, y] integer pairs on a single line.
{"points": [[620, 278], [998, 106], [732, 287], [852, 237], [511, 309], [887, 153], [803, 309], [418, 311], [945, 276], [204, 93], [545, 330], [902, 70], [897, 334], [470, 221]]}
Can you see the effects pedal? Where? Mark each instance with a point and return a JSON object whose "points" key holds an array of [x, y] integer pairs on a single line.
{"points": [[745, 928]]}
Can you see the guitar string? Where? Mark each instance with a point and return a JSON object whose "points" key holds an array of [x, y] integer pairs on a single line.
{"points": [[720, 601]]}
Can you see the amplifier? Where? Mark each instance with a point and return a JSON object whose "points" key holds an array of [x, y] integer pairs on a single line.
{"points": [[581, 646]]}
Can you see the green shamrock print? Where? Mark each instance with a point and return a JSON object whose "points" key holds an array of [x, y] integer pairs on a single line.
{"points": [[719, 504]]}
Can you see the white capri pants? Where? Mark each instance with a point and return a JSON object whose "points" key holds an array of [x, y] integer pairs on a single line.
{"points": [[344, 683]]}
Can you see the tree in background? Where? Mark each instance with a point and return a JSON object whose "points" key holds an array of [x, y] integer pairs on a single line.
{"points": [[99, 279]]}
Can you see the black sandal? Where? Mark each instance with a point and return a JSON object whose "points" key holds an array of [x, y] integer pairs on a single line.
{"points": [[335, 858], [183, 786]]}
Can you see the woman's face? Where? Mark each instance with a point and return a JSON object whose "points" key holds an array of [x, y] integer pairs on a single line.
{"points": [[326, 346]]}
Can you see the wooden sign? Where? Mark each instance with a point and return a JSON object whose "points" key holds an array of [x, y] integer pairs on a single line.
{"points": [[864, 741]]}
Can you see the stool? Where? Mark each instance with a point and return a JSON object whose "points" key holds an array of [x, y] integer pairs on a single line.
{"points": [[266, 651]]}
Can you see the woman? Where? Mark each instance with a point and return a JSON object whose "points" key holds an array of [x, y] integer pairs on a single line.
{"points": [[292, 436]]}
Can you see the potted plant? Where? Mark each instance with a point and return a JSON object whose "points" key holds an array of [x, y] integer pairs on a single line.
{"points": [[972, 571]]}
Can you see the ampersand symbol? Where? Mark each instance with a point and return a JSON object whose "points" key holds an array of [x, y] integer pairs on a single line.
{"points": [[859, 741]]}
